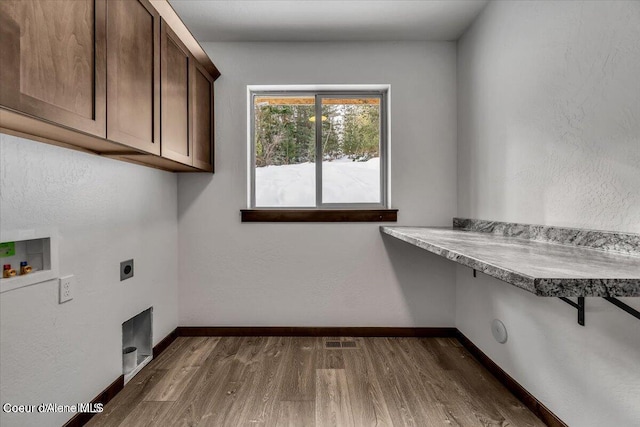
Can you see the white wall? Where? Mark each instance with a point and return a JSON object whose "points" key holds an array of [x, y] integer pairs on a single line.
{"points": [[323, 274], [549, 133], [106, 212]]}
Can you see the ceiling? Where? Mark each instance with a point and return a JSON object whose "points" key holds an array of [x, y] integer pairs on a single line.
{"points": [[327, 20]]}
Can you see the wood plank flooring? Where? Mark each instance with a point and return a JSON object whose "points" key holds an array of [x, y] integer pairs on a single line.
{"points": [[297, 381]]}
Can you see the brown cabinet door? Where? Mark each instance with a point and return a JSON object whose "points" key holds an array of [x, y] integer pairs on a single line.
{"points": [[52, 55], [176, 138], [202, 118], [133, 74]]}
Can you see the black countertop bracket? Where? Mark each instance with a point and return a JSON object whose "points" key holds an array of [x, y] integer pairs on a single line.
{"points": [[632, 311], [579, 306]]}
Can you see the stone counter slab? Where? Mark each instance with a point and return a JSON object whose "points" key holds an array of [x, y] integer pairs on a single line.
{"points": [[545, 269]]}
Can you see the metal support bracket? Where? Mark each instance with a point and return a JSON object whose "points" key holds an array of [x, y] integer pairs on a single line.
{"points": [[579, 306], [632, 311]]}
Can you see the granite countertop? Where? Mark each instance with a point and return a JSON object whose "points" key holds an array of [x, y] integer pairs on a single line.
{"points": [[542, 267]]}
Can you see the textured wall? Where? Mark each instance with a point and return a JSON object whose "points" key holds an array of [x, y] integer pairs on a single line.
{"points": [[323, 274], [549, 133], [549, 114], [106, 212]]}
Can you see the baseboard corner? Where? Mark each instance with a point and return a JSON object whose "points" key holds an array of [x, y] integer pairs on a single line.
{"points": [[529, 400], [80, 419]]}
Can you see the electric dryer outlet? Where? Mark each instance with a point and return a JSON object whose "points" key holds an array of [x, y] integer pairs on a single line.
{"points": [[126, 270]]}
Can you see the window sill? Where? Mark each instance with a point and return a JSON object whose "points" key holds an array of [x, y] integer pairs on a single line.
{"points": [[319, 215]]}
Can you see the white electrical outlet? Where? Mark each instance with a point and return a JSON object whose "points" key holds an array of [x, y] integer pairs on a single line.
{"points": [[67, 283]]}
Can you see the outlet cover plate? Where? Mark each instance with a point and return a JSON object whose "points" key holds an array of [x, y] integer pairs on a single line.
{"points": [[126, 269], [499, 331], [67, 285]]}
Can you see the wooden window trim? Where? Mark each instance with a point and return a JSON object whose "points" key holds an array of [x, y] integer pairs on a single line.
{"points": [[319, 215]]}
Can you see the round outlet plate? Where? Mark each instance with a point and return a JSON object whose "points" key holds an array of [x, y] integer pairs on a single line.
{"points": [[499, 331]]}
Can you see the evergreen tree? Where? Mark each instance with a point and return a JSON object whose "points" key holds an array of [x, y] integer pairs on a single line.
{"points": [[285, 134]]}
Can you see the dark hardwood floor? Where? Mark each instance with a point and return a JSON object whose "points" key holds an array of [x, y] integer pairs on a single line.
{"points": [[299, 381]]}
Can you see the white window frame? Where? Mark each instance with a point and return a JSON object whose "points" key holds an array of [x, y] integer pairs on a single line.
{"points": [[320, 92]]}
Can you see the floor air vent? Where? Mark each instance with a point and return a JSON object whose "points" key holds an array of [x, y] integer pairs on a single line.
{"points": [[340, 343]]}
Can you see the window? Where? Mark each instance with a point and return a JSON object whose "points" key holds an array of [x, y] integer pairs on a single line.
{"points": [[318, 149]]}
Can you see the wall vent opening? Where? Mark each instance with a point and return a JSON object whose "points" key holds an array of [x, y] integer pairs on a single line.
{"points": [[137, 343]]}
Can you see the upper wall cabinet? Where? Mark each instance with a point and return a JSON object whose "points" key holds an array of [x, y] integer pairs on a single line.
{"points": [[202, 107], [177, 140], [53, 61], [120, 78], [133, 74], [187, 104]]}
